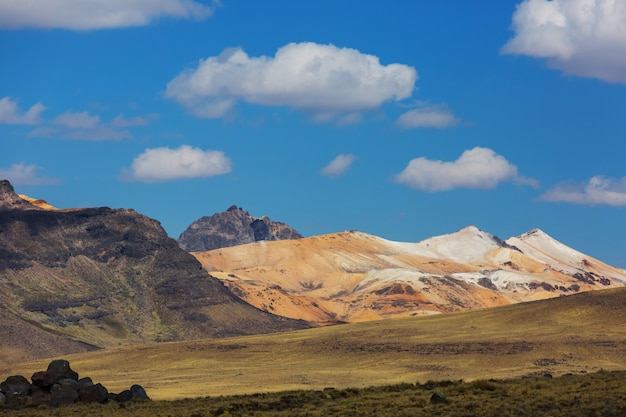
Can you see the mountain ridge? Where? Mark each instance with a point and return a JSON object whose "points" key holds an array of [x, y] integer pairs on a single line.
{"points": [[103, 277], [354, 276]]}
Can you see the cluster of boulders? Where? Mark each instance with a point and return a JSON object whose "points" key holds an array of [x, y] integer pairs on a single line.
{"points": [[59, 385]]}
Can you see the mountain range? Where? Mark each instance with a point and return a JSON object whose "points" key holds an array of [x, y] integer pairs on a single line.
{"points": [[74, 280], [353, 276]]}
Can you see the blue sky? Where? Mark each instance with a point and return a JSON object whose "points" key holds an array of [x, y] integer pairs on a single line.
{"points": [[403, 119]]}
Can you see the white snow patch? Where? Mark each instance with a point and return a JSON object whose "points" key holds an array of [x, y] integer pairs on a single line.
{"points": [[467, 245], [543, 248], [379, 277]]}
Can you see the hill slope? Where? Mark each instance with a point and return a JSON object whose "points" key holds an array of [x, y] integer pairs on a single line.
{"points": [[353, 276], [578, 334], [105, 277]]}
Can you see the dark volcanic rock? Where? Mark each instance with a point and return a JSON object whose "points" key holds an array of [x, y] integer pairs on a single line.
{"points": [[107, 277], [230, 228], [60, 368], [15, 385], [43, 379], [93, 394], [62, 395], [138, 392]]}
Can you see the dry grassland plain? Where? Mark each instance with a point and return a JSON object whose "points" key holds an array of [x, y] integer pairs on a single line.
{"points": [[579, 334]]}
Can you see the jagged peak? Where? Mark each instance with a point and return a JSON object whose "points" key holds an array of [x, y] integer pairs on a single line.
{"points": [[534, 233], [10, 200]]}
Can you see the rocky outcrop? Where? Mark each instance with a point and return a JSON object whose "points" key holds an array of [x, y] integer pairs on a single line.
{"points": [[59, 386], [103, 277], [233, 227]]}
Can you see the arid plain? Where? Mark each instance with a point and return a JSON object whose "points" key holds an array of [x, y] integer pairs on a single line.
{"points": [[578, 334]]}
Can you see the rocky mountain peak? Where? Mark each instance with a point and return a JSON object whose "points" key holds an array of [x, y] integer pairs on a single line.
{"points": [[10, 200], [235, 226]]}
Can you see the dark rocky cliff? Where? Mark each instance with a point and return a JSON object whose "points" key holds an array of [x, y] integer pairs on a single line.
{"points": [[107, 277], [233, 227]]}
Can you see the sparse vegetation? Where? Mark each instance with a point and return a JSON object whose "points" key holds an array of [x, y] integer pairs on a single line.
{"points": [[597, 394]]}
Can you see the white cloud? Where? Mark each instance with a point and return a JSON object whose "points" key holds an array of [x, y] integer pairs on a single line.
{"points": [[85, 126], [82, 120], [475, 168], [121, 121], [164, 164], [438, 116], [11, 114], [586, 38], [95, 14], [338, 166], [319, 79], [597, 191], [22, 174]]}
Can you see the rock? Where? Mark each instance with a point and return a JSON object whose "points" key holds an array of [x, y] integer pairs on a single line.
{"points": [[15, 385], [61, 395], [85, 382], [60, 368], [233, 227], [138, 392], [124, 396], [3, 400], [438, 398], [39, 396], [43, 379], [94, 394], [69, 382]]}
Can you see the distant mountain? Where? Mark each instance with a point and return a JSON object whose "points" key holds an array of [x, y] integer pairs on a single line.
{"points": [[80, 279], [233, 227], [353, 276]]}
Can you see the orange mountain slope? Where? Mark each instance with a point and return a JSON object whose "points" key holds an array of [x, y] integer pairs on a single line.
{"points": [[352, 276]]}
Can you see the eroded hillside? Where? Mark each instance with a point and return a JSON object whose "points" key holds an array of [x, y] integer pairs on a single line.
{"points": [[353, 276], [101, 277]]}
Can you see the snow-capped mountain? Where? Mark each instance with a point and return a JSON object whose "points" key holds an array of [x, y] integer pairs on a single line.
{"points": [[353, 276]]}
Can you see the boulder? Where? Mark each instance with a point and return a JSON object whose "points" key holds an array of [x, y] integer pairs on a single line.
{"points": [[124, 396], [61, 395], [68, 382], [15, 385], [138, 392], [39, 396], [61, 369], [94, 394], [438, 398], [85, 382], [43, 379]]}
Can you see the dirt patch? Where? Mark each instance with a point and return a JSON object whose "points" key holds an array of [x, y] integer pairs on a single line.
{"points": [[467, 348]]}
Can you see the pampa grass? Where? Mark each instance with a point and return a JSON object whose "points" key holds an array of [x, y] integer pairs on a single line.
{"points": [[601, 394]]}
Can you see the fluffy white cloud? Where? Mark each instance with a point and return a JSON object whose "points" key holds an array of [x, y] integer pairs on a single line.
{"points": [[338, 166], [22, 174], [585, 38], [95, 14], [320, 79], [597, 191], [164, 164], [438, 116], [11, 114], [475, 168]]}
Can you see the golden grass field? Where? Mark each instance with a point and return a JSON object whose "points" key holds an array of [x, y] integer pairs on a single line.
{"points": [[576, 334]]}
